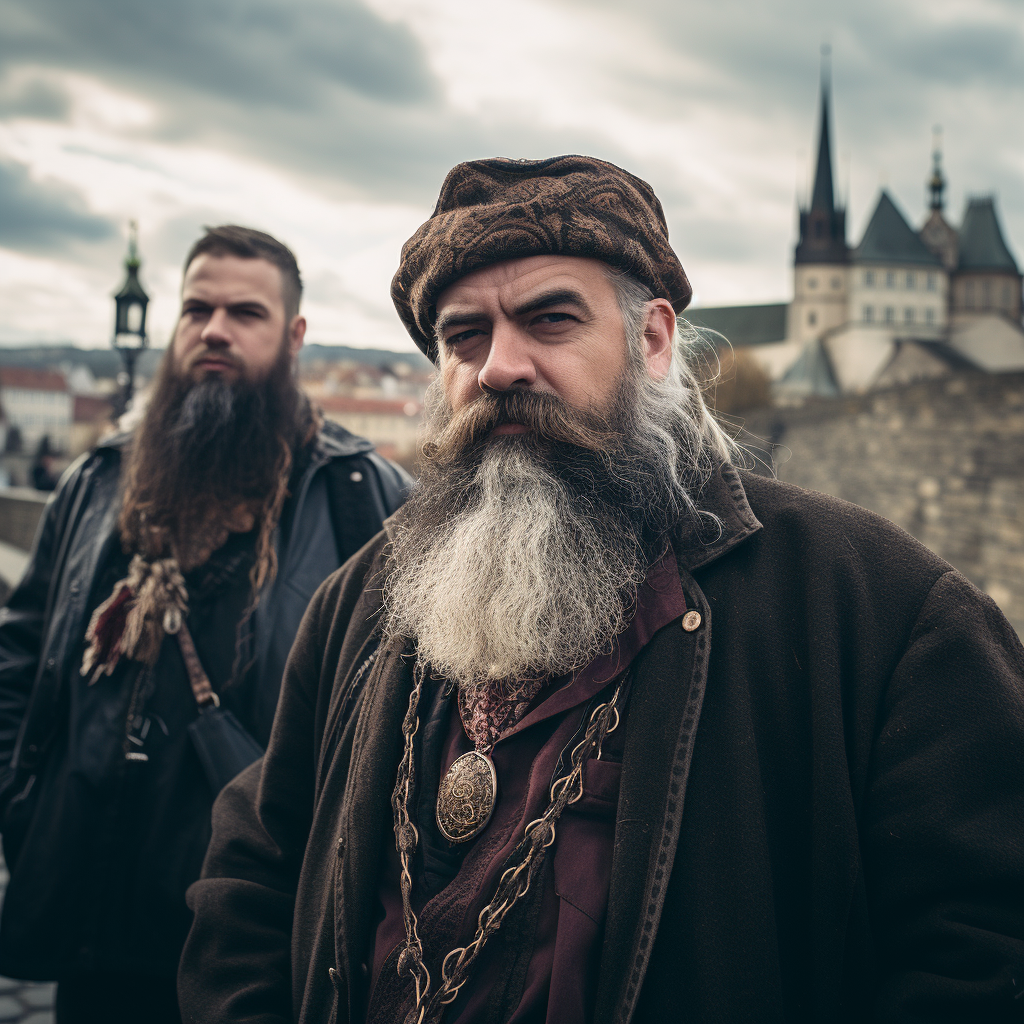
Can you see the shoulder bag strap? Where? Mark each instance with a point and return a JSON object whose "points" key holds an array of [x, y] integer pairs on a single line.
{"points": [[200, 681]]}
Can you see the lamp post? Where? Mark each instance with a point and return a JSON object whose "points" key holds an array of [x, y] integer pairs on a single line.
{"points": [[130, 319]]}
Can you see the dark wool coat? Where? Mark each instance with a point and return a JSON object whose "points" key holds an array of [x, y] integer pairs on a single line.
{"points": [[820, 815]]}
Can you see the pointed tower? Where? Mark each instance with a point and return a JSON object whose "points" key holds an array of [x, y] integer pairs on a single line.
{"points": [[987, 279], [937, 233], [821, 257], [130, 303]]}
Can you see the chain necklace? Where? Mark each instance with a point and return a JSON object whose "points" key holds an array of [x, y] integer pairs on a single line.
{"points": [[525, 861], [469, 790]]}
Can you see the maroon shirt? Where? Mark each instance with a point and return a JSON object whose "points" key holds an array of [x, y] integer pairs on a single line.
{"points": [[560, 975]]}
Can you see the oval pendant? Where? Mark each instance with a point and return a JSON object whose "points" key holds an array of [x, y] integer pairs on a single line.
{"points": [[466, 797]]}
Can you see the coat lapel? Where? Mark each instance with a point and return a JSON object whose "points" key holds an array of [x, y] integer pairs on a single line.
{"points": [[366, 815], [661, 730]]}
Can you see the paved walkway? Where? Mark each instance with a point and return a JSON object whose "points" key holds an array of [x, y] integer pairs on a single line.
{"points": [[23, 1002]]}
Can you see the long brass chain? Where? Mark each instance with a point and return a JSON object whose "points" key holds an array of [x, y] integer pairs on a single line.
{"points": [[515, 881]]}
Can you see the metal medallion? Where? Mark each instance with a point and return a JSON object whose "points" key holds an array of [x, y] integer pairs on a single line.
{"points": [[466, 797]]}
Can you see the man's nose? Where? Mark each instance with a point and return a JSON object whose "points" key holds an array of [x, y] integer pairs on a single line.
{"points": [[509, 361], [216, 330]]}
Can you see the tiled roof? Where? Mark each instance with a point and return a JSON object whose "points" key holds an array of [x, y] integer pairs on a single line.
{"points": [[890, 239], [31, 379], [373, 406], [810, 376], [743, 325], [981, 242]]}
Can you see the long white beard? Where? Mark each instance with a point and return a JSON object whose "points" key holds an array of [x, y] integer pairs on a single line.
{"points": [[526, 580]]}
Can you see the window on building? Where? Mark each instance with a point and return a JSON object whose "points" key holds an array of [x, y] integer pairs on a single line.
{"points": [[1007, 298], [986, 294], [869, 314], [869, 278], [969, 294], [812, 318], [837, 282], [929, 315], [908, 315], [812, 282], [890, 315], [931, 284], [890, 279], [911, 280]]}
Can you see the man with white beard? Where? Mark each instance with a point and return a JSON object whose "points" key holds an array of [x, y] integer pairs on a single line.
{"points": [[602, 728]]}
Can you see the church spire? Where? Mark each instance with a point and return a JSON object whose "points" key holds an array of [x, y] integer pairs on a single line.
{"points": [[823, 197], [937, 182], [823, 224]]}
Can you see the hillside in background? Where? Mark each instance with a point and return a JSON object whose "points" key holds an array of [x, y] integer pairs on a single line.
{"points": [[105, 362]]}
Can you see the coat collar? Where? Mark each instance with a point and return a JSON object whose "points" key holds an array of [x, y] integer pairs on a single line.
{"points": [[726, 520]]}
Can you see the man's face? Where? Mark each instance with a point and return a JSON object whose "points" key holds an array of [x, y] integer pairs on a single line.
{"points": [[543, 323], [232, 320]]}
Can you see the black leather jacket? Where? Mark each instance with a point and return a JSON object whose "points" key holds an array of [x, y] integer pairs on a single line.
{"points": [[343, 496]]}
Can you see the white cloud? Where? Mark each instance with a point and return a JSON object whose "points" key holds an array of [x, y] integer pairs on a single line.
{"points": [[713, 102]]}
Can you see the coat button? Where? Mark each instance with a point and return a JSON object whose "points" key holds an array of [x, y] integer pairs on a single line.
{"points": [[355, 476], [51, 662], [691, 621], [75, 587]]}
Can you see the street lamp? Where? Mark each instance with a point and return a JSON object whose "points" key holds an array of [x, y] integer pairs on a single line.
{"points": [[130, 318]]}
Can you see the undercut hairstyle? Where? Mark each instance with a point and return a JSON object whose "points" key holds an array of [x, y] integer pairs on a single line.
{"points": [[250, 244]]}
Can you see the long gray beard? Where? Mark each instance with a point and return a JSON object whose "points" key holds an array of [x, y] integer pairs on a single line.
{"points": [[523, 580]]}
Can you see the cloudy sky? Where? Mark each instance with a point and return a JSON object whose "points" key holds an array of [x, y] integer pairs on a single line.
{"points": [[331, 123]]}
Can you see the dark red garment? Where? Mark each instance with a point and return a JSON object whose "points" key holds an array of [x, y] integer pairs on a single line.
{"points": [[561, 973]]}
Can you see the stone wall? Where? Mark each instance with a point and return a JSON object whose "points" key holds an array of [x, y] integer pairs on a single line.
{"points": [[20, 510], [943, 458]]}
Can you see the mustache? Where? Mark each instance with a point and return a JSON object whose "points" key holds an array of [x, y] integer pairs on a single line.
{"points": [[547, 416], [221, 354]]}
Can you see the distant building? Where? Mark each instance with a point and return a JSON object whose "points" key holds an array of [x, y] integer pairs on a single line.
{"points": [[92, 419], [390, 423], [37, 404], [900, 306]]}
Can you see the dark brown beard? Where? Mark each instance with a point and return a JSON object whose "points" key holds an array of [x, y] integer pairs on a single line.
{"points": [[206, 448]]}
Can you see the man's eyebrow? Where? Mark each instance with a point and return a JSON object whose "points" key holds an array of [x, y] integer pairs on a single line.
{"points": [[249, 304], [555, 297], [446, 320]]}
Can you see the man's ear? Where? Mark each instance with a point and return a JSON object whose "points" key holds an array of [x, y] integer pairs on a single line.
{"points": [[659, 335], [296, 334]]}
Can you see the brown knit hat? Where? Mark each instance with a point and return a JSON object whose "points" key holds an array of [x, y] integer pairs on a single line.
{"points": [[500, 209]]}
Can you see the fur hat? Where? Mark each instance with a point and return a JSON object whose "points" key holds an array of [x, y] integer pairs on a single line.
{"points": [[500, 209]]}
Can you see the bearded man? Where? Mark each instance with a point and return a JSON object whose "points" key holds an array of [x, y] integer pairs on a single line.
{"points": [[602, 728], [141, 656]]}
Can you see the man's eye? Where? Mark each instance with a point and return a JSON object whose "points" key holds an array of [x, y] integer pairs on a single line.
{"points": [[462, 336], [554, 318]]}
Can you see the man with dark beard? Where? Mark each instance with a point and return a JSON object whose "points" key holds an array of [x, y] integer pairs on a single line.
{"points": [[141, 657], [602, 728]]}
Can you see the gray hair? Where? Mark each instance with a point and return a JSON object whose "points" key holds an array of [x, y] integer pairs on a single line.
{"points": [[671, 412]]}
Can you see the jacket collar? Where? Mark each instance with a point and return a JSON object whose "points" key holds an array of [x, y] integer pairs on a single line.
{"points": [[726, 520]]}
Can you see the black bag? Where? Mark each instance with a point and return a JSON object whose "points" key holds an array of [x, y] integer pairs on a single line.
{"points": [[223, 745], [220, 739]]}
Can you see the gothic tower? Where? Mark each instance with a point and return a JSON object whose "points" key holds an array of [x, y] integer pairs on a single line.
{"points": [[820, 262]]}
